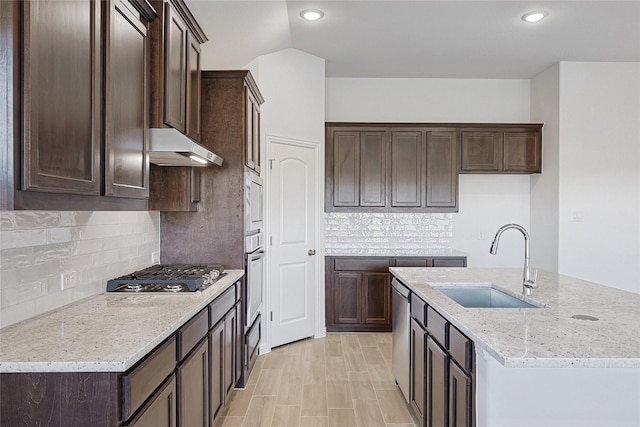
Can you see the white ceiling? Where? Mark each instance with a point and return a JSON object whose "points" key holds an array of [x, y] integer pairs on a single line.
{"points": [[447, 39]]}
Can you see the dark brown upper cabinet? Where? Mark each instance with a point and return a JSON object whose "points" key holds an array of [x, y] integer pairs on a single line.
{"points": [[382, 168], [174, 189], [61, 97], [75, 77], [175, 68], [127, 103], [514, 149]]}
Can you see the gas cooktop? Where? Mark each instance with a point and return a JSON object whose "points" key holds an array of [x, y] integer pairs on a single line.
{"points": [[170, 278]]}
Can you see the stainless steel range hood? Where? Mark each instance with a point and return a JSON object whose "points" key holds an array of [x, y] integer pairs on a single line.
{"points": [[169, 147]]}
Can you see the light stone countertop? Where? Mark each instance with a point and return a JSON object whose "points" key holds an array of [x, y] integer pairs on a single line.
{"points": [[394, 252], [109, 332], [539, 337]]}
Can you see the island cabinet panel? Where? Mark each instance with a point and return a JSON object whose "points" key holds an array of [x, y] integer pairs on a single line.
{"points": [[504, 149], [417, 379], [441, 369], [358, 289]]}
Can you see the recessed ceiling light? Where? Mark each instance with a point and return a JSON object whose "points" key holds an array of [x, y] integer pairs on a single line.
{"points": [[312, 14], [535, 16]]}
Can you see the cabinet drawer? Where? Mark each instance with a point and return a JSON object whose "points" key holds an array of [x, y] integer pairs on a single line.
{"points": [[192, 332], [140, 383], [221, 305], [413, 262], [362, 264], [437, 326], [449, 262], [252, 344], [460, 348], [418, 310]]}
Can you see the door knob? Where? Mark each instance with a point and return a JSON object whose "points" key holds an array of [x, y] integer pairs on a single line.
{"points": [[312, 252]]}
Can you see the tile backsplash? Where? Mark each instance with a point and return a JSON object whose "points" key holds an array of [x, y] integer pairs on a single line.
{"points": [[387, 230], [49, 259]]}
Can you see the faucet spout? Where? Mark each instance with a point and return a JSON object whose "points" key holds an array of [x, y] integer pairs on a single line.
{"points": [[527, 283]]}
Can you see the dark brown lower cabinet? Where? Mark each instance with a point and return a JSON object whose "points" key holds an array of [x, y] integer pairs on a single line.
{"points": [[193, 388], [441, 376], [417, 380], [460, 397], [186, 381], [358, 289], [160, 411], [437, 394]]}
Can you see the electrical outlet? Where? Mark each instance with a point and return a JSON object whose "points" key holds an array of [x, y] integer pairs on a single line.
{"points": [[68, 279], [155, 258]]}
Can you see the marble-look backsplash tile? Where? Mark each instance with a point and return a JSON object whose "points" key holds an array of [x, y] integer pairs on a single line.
{"points": [[388, 230], [41, 249]]}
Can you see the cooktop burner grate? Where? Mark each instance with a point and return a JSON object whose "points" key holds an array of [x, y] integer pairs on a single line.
{"points": [[170, 278]]}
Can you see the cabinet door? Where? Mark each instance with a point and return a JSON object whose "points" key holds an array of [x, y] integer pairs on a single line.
{"points": [[61, 97], [417, 381], [442, 169], [437, 385], [249, 152], [193, 388], [346, 168], [460, 397], [175, 72], [522, 152], [373, 169], [126, 99], [481, 150], [160, 411], [347, 305], [406, 168], [193, 88], [216, 370], [376, 298], [256, 137], [230, 333]]}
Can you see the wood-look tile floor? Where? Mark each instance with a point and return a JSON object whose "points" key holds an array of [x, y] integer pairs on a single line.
{"points": [[343, 380]]}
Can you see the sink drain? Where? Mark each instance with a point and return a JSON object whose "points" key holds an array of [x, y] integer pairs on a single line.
{"points": [[584, 317]]}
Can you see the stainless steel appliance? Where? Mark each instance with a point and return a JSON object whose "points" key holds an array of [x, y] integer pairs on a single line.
{"points": [[400, 335], [172, 279]]}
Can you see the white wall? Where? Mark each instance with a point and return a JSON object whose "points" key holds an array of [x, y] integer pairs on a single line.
{"points": [[599, 174], [486, 201], [545, 108], [292, 84]]}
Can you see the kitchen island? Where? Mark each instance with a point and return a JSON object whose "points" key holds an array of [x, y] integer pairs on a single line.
{"points": [[573, 362], [125, 359]]}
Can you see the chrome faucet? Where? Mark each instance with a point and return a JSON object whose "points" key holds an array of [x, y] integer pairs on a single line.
{"points": [[528, 284]]}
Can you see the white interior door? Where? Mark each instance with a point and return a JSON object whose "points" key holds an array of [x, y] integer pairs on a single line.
{"points": [[293, 222]]}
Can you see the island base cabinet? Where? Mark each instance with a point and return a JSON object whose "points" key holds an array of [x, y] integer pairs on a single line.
{"points": [[437, 385], [160, 411], [417, 378], [460, 397]]}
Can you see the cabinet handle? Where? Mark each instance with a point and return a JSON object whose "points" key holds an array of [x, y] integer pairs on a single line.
{"points": [[312, 252]]}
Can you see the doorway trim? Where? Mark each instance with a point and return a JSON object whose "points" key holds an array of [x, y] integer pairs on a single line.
{"points": [[320, 329]]}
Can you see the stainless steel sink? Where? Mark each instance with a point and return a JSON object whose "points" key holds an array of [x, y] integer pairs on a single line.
{"points": [[485, 297]]}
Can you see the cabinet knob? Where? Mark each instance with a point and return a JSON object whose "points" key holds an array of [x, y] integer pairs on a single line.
{"points": [[312, 252]]}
